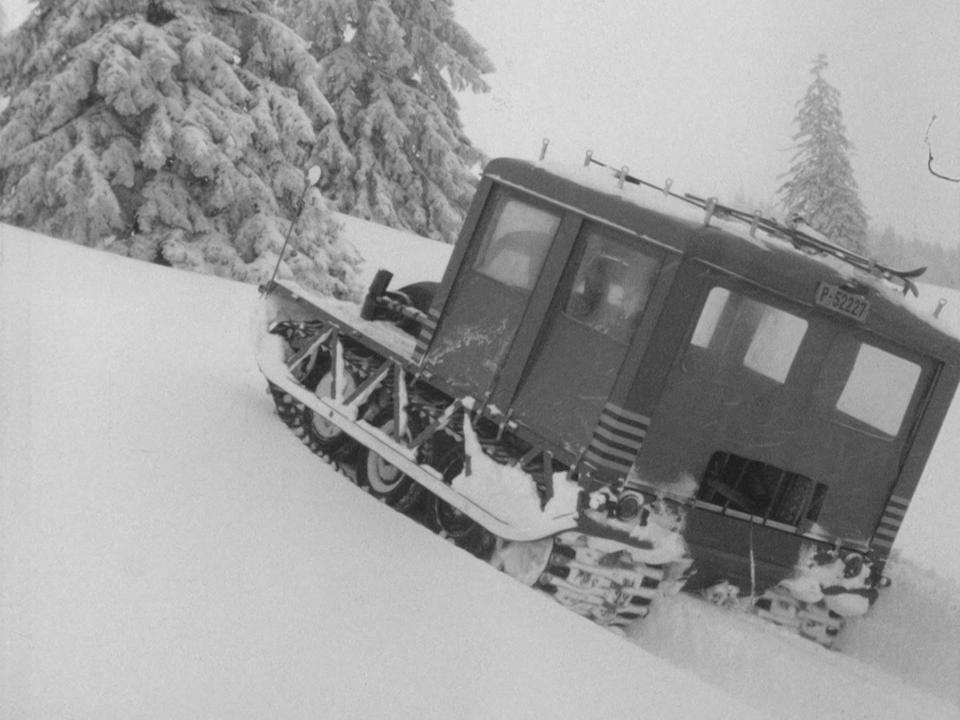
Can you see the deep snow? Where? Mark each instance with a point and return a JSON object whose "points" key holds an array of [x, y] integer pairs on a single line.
{"points": [[170, 550]]}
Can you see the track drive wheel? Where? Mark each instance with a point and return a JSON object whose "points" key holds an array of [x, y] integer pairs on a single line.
{"points": [[385, 481]]}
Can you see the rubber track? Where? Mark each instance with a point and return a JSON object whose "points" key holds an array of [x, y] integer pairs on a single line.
{"points": [[586, 579], [583, 579]]}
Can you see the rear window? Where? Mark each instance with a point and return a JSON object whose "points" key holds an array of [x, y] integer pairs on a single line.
{"points": [[515, 242], [761, 337], [775, 343], [879, 389]]}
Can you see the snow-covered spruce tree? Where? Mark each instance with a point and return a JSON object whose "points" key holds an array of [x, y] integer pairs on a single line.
{"points": [[820, 187], [173, 130], [3, 29], [390, 69]]}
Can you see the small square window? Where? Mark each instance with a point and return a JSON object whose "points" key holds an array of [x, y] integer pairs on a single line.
{"points": [[775, 343], [516, 242], [710, 317], [879, 389], [763, 338]]}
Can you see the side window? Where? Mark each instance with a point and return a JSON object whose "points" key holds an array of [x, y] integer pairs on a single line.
{"points": [[516, 239], [761, 337], [879, 389], [709, 319], [612, 284]]}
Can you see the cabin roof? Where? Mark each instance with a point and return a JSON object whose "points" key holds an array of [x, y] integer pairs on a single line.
{"points": [[760, 258]]}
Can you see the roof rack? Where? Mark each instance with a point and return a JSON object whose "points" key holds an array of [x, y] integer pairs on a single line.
{"points": [[790, 233]]}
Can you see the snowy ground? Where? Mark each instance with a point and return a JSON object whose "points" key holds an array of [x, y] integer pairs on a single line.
{"points": [[170, 550]]}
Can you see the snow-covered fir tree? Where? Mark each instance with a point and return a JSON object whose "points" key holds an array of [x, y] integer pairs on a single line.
{"points": [[4, 100], [820, 186], [174, 130], [390, 69]]}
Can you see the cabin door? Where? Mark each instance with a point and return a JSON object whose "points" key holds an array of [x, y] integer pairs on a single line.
{"points": [[494, 289], [582, 341]]}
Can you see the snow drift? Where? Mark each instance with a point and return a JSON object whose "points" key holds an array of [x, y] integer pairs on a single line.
{"points": [[169, 550]]}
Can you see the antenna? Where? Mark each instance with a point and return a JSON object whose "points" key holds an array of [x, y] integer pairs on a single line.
{"points": [[313, 177]]}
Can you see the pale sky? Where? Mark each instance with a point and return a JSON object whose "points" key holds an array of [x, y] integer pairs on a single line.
{"points": [[705, 92], [15, 10]]}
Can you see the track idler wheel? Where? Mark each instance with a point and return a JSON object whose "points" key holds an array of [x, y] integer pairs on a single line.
{"points": [[385, 481], [321, 436]]}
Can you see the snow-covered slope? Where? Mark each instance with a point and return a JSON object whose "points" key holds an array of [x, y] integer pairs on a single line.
{"points": [[913, 634], [168, 549], [409, 257]]}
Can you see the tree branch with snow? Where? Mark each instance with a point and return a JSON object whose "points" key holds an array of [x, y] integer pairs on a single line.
{"points": [[926, 139], [171, 131]]}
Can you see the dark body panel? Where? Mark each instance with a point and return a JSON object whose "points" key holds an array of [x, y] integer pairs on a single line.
{"points": [[777, 432]]}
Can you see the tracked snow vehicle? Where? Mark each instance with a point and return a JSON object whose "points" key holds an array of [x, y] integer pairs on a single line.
{"points": [[616, 391]]}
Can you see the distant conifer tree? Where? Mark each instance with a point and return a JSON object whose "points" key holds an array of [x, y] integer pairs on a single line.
{"points": [[390, 69], [174, 130], [820, 186]]}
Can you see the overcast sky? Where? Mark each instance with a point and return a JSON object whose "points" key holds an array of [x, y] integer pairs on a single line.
{"points": [[705, 92]]}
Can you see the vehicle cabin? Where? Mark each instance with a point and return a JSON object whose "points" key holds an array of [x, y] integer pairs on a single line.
{"points": [[787, 397]]}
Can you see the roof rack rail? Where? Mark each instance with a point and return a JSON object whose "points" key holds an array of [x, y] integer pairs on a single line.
{"points": [[790, 233]]}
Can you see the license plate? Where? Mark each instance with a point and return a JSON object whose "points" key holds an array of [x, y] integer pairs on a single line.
{"points": [[843, 302]]}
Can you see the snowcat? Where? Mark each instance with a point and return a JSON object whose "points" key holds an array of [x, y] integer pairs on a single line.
{"points": [[618, 391]]}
